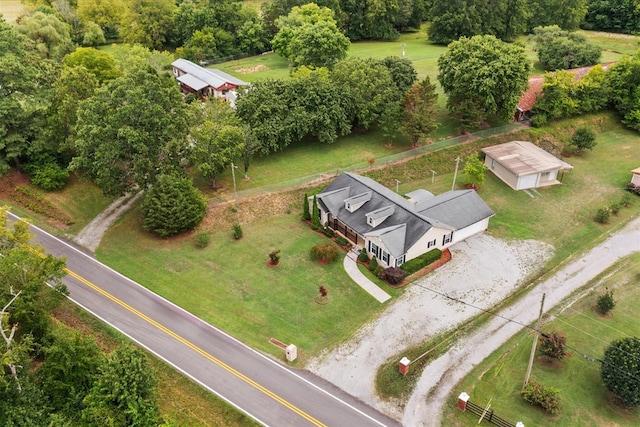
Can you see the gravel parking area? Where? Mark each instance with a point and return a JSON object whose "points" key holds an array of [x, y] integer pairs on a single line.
{"points": [[483, 271]]}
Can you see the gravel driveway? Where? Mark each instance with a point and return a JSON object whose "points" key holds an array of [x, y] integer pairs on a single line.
{"points": [[483, 271]]}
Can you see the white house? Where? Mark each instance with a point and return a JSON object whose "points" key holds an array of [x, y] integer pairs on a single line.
{"points": [[396, 229], [205, 81], [522, 165]]}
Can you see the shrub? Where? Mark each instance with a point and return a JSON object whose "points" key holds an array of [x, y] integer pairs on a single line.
{"points": [[422, 261], [394, 275], [620, 370], [315, 214], [378, 272], [547, 398], [554, 345], [326, 252], [625, 202], [635, 189], [49, 176], [606, 302], [362, 256], [172, 205], [615, 208], [274, 256], [306, 214], [202, 240], [237, 231], [328, 232], [373, 264], [323, 291], [583, 139], [342, 241], [603, 215]]}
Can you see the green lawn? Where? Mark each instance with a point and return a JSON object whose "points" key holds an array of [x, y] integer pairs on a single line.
{"points": [[229, 284], [585, 401]]}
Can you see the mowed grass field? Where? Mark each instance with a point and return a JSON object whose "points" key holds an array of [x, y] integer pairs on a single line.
{"points": [[229, 284], [11, 9], [585, 400]]}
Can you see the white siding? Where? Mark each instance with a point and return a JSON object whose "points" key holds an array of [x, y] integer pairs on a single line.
{"points": [[527, 181], [635, 179], [501, 172], [466, 232], [435, 233]]}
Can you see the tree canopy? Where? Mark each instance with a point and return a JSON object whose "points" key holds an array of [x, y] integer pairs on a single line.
{"points": [[483, 77], [132, 130], [624, 83], [613, 15], [558, 49], [172, 205], [148, 22], [420, 107], [308, 36], [621, 369]]}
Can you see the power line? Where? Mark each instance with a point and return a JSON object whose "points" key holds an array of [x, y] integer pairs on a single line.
{"points": [[544, 334]]}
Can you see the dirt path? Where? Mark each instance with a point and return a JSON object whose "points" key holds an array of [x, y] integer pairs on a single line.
{"points": [[92, 234], [483, 271]]}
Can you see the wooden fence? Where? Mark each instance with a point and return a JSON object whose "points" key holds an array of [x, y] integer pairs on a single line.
{"points": [[489, 415]]}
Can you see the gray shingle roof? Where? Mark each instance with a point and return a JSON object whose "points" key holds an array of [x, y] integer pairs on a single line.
{"points": [[410, 220]]}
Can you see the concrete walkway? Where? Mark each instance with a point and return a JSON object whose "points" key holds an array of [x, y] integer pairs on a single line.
{"points": [[351, 267]]}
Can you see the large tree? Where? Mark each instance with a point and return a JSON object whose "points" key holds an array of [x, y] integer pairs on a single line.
{"points": [[106, 13], [308, 36], [100, 64], [420, 108], [567, 14], [50, 35], [403, 73], [284, 112], [558, 49], [172, 205], [613, 15], [620, 370], [132, 130], [452, 19], [217, 138], [25, 297], [148, 22], [366, 87], [124, 394], [624, 83], [483, 77], [24, 81]]}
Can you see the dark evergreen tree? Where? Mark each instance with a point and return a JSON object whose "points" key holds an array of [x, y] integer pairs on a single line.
{"points": [[172, 205]]}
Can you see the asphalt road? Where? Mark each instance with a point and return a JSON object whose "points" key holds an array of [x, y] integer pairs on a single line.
{"points": [[266, 390]]}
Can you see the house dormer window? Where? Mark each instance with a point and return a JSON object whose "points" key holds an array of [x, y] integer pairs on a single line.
{"points": [[374, 218], [354, 203]]}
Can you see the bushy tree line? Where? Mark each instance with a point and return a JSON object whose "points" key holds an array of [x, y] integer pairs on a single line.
{"points": [[505, 19], [620, 16], [562, 50], [324, 104], [619, 87]]}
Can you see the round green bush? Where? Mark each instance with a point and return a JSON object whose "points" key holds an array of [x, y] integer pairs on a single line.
{"points": [[172, 205], [202, 240], [326, 252]]}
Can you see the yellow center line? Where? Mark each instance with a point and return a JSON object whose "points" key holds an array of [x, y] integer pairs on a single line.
{"points": [[197, 349]]}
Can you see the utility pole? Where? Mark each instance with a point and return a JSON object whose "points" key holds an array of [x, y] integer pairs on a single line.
{"points": [[433, 175], [535, 343], [235, 192], [397, 183], [455, 174]]}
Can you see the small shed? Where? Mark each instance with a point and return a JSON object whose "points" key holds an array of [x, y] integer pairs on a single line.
{"points": [[635, 178], [522, 165]]}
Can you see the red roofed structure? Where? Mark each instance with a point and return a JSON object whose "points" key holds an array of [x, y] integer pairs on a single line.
{"points": [[529, 96]]}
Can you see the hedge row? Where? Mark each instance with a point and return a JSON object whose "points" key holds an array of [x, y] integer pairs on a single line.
{"points": [[422, 261]]}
